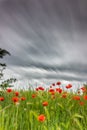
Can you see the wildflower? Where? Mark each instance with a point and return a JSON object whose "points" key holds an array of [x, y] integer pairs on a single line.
{"points": [[15, 99], [51, 90], [1, 98], [41, 118], [41, 88], [45, 103], [23, 98], [16, 93], [37, 89], [76, 97], [64, 96], [81, 103], [84, 89], [59, 90], [33, 95], [9, 90], [69, 86], [53, 84], [53, 93], [85, 97], [58, 83]]}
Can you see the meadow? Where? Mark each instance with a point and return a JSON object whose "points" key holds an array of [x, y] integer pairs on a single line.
{"points": [[40, 109]]}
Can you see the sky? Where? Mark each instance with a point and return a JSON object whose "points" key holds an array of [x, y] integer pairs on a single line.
{"points": [[47, 40]]}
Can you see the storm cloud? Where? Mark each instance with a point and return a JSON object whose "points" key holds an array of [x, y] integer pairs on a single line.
{"points": [[47, 39]]}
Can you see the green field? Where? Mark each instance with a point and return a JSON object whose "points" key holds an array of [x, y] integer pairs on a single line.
{"points": [[60, 110]]}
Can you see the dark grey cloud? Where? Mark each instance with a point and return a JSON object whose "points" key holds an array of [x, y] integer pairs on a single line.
{"points": [[48, 38]]}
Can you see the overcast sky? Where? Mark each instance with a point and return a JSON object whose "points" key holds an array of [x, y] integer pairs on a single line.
{"points": [[47, 39]]}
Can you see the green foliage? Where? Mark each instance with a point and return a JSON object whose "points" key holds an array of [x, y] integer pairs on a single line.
{"points": [[3, 65], [61, 114], [3, 53], [6, 83]]}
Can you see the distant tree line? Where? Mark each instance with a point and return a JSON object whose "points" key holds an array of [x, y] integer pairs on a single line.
{"points": [[3, 53], [7, 82]]}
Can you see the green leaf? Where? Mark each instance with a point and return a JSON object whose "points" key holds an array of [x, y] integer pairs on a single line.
{"points": [[78, 123], [45, 128], [71, 106], [57, 127], [47, 113], [32, 114], [76, 115], [60, 105]]}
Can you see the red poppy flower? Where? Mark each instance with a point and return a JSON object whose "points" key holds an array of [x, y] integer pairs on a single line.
{"points": [[53, 84], [17, 93], [33, 95], [1, 98], [58, 83], [64, 96], [84, 89], [15, 99], [53, 93], [59, 90], [37, 89], [41, 88], [41, 118], [9, 90], [69, 86], [81, 103], [85, 97], [45, 103], [23, 98], [51, 90], [76, 97]]}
